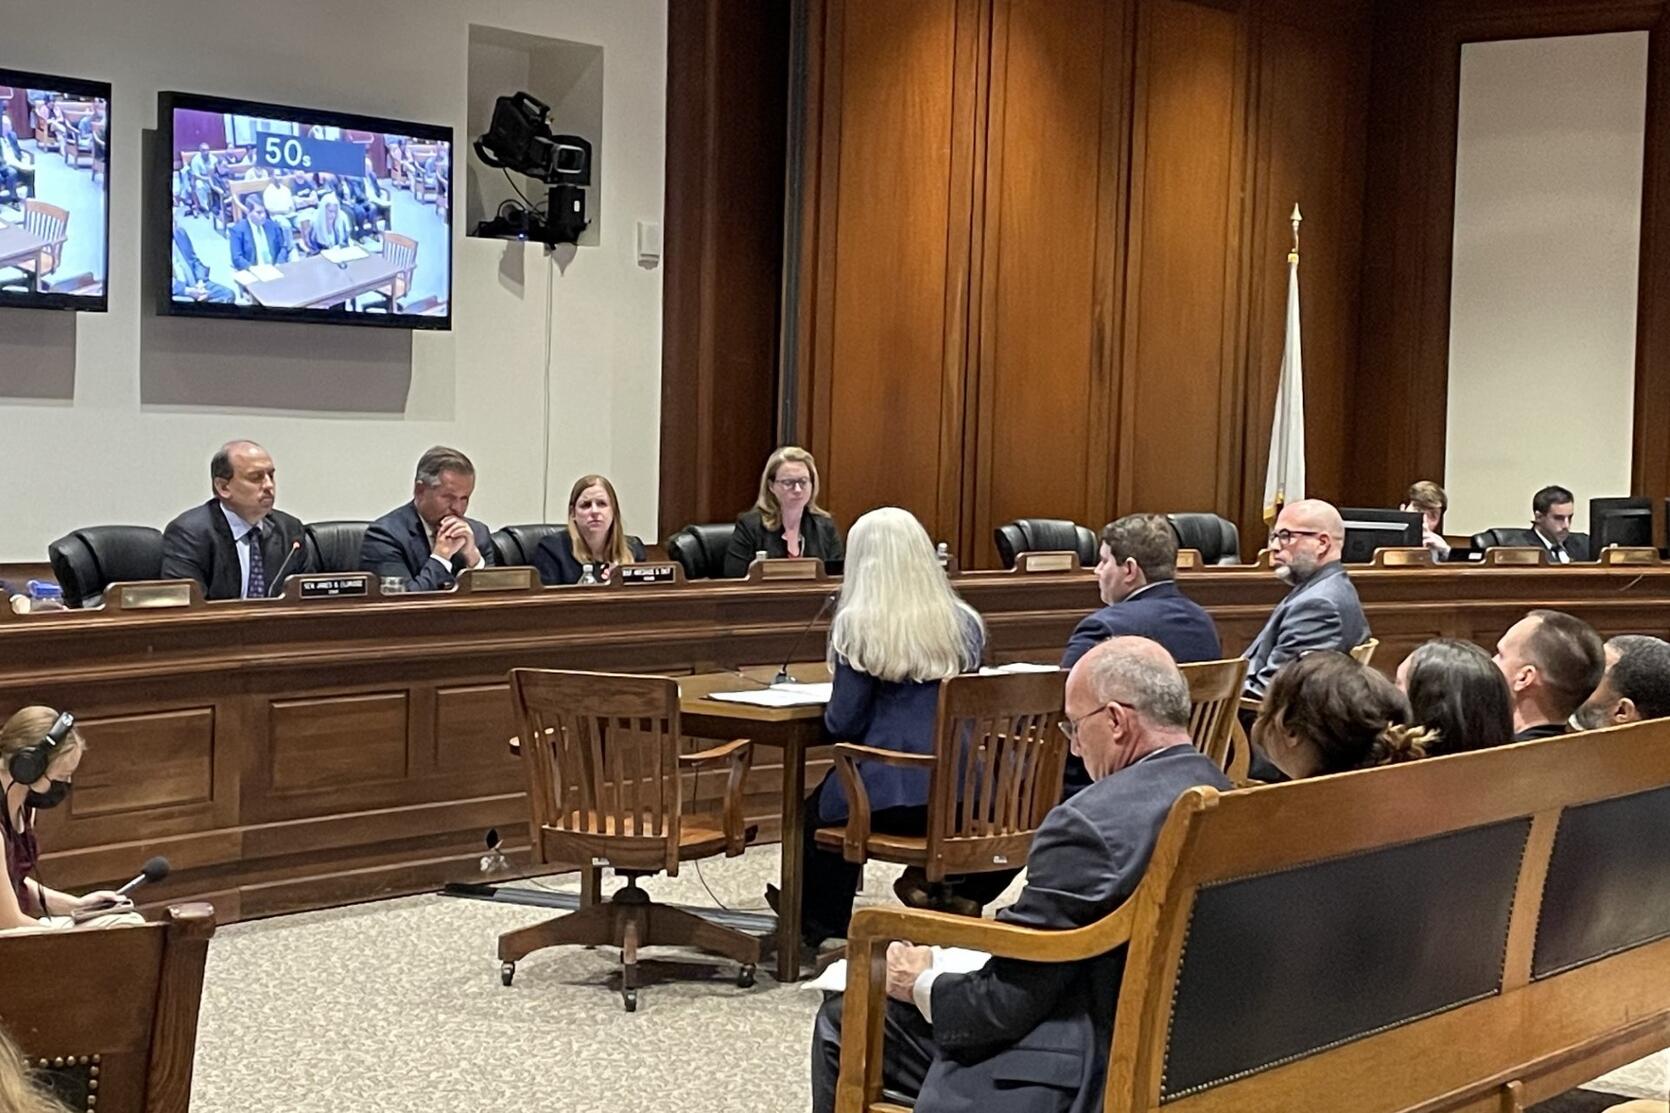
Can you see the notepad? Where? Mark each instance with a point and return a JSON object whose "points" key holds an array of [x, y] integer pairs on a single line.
{"points": [[265, 272], [1017, 666], [947, 960], [343, 254], [779, 695]]}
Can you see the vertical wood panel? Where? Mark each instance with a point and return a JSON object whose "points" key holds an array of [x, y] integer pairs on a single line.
{"points": [[1180, 307], [1652, 328], [1311, 99], [888, 360], [1041, 366]]}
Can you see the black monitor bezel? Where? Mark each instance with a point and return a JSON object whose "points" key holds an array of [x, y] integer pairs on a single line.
{"points": [[170, 100], [1622, 507], [83, 87], [1389, 517]]}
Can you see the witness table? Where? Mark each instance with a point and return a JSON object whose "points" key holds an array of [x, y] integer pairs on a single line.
{"points": [[18, 245], [317, 283], [794, 731]]}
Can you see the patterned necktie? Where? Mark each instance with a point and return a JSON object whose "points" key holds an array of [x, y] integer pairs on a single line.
{"points": [[257, 568]]}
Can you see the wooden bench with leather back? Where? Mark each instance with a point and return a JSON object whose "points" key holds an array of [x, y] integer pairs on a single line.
{"points": [[108, 1018], [1476, 932]]}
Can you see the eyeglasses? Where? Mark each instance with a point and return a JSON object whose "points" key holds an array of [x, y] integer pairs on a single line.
{"points": [[1070, 727], [1282, 538], [794, 484]]}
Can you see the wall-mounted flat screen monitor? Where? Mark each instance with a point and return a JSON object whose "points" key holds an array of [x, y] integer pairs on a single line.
{"points": [[301, 214], [54, 190]]}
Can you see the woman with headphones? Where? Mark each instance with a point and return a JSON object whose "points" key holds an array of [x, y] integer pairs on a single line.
{"points": [[39, 752]]}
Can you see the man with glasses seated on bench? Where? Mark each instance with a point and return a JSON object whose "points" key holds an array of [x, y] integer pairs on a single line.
{"points": [[1016, 1035]]}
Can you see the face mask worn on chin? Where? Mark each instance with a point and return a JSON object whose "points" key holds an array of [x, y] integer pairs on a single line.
{"points": [[51, 798]]}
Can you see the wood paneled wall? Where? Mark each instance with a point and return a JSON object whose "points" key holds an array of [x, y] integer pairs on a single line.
{"points": [[727, 105], [1043, 253]]}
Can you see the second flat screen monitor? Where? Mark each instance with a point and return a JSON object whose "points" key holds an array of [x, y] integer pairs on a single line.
{"points": [[298, 214]]}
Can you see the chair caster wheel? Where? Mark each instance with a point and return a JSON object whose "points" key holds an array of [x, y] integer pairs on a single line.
{"points": [[507, 971], [745, 976], [630, 996]]}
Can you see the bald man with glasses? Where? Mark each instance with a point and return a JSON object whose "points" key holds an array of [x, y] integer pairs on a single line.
{"points": [[1322, 611]]}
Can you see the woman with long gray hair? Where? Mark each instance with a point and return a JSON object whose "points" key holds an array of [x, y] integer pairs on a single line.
{"points": [[899, 629]]}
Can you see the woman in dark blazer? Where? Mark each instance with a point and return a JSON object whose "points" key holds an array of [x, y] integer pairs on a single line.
{"points": [[899, 629], [595, 536], [786, 520]]}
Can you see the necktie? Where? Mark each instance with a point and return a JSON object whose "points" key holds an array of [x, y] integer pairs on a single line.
{"points": [[257, 568]]}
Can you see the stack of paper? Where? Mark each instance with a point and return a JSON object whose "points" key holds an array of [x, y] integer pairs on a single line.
{"points": [[343, 254], [948, 960], [266, 272], [779, 695], [1017, 666]]}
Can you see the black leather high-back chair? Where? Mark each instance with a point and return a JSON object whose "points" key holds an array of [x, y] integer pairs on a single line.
{"points": [[88, 560], [1044, 535], [1216, 537], [1525, 538], [701, 549], [334, 546], [517, 544]]}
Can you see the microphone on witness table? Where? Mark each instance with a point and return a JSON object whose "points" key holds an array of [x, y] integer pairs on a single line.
{"points": [[154, 870], [494, 860], [278, 580], [783, 676]]}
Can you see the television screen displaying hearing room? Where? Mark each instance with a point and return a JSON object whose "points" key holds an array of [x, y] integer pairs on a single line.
{"points": [[54, 190], [296, 214]]}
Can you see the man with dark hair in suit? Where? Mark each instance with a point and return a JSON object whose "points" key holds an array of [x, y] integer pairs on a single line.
{"points": [[428, 541], [1322, 611], [1551, 513], [1553, 663], [191, 274], [1636, 685], [1137, 578], [236, 545], [257, 238], [1017, 1035]]}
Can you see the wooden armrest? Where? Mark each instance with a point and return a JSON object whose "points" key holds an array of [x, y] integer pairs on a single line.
{"points": [[859, 752], [1247, 703], [739, 755], [1240, 755], [872, 929], [847, 756], [713, 756]]}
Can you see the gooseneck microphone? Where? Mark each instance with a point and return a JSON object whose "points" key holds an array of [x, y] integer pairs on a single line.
{"points": [[273, 589], [154, 870], [783, 676]]}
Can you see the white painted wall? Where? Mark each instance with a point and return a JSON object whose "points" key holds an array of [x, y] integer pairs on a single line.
{"points": [[112, 417], [1543, 295]]}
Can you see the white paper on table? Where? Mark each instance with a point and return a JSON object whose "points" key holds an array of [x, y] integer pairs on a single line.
{"points": [[243, 278], [266, 272], [1017, 666], [779, 695], [343, 254], [947, 960]]}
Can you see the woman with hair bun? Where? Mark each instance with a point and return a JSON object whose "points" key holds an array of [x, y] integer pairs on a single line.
{"points": [[1325, 713]]}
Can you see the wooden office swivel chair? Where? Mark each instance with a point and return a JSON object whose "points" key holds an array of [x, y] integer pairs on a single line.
{"points": [[601, 753], [994, 774]]}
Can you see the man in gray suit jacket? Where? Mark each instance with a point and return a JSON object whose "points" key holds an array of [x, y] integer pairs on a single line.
{"points": [[1322, 610], [428, 541], [1033, 1037]]}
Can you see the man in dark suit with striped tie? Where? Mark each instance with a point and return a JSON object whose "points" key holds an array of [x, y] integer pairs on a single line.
{"points": [[1551, 513], [236, 545]]}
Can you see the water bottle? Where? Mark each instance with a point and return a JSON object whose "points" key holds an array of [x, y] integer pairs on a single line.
{"points": [[588, 574], [392, 585], [942, 553], [44, 595]]}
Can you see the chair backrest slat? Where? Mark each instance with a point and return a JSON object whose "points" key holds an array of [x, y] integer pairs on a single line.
{"points": [[1214, 698]]}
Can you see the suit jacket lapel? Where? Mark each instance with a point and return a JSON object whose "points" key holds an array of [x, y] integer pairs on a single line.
{"points": [[228, 574], [417, 541]]}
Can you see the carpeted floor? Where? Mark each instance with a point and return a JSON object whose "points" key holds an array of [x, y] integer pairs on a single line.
{"points": [[397, 1006]]}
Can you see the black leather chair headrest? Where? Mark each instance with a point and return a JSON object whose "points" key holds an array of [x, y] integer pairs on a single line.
{"points": [[1044, 535], [1216, 537], [701, 549], [334, 546], [517, 544], [92, 558]]}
